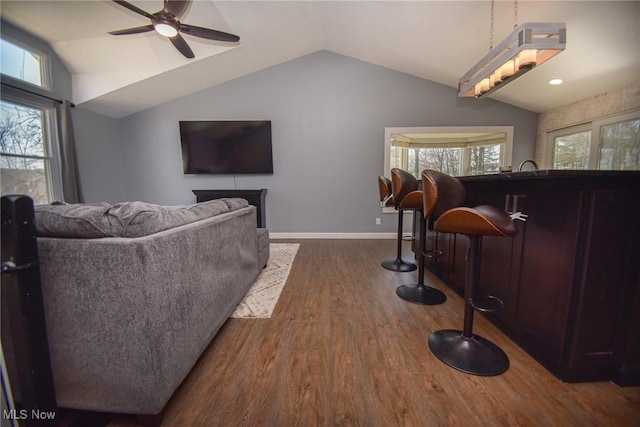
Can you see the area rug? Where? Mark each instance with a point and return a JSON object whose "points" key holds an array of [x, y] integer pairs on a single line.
{"points": [[263, 295]]}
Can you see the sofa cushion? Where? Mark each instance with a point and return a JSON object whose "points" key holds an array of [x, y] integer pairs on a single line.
{"points": [[125, 219], [76, 220], [136, 219], [235, 203]]}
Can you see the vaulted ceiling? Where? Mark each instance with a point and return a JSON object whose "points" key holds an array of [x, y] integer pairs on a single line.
{"points": [[435, 40]]}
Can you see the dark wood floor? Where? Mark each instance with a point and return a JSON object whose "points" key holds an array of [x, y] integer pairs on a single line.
{"points": [[342, 349]]}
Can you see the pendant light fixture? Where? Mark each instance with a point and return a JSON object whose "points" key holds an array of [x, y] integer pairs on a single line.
{"points": [[528, 46]]}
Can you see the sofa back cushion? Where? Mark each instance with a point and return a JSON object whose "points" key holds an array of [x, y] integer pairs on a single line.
{"points": [[126, 219], [77, 220], [137, 219]]}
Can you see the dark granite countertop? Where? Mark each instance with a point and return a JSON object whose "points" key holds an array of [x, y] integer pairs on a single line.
{"points": [[550, 174]]}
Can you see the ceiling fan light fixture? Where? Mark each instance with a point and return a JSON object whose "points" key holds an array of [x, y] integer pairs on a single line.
{"points": [[166, 23], [165, 28], [528, 46]]}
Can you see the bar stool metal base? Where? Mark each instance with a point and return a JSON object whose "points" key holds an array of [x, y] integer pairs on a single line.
{"points": [[398, 265], [475, 355], [425, 295]]}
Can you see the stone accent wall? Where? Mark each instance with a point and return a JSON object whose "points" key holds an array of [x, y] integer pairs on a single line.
{"points": [[595, 107]]}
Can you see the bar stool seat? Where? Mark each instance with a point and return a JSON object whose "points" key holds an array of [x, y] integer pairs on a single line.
{"points": [[464, 350], [483, 220]]}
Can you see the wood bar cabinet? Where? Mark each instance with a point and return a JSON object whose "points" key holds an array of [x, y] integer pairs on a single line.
{"points": [[570, 278]]}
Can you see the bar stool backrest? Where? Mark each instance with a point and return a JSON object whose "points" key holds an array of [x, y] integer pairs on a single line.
{"points": [[402, 183], [440, 192], [384, 188]]}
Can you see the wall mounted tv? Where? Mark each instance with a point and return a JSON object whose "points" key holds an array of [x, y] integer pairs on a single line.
{"points": [[226, 147]]}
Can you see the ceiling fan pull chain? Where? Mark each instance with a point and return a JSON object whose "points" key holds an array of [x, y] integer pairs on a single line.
{"points": [[515, 14]]}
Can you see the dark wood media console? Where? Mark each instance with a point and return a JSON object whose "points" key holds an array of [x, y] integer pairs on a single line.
{"points": [[254, 197], [570, 279]]}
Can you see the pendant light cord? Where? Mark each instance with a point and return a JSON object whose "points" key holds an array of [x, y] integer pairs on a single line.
{"points": [[491, 28], [515, 20]]}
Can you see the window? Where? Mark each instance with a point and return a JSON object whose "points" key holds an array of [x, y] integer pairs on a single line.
{"points": [[456, 151], [29, 160], [24, 64], [608, 144], [620, 145], [485, 159], [446, 160], [26, 155], [571, 150]]}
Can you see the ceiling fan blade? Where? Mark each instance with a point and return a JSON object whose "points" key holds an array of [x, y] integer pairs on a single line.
{"points": [[136, 30], [182, 46], [134, 8], [207, 33], [176, 7]]}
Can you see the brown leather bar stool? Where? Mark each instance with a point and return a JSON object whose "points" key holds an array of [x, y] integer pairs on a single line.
{"points": [[464, 350], [384, 188], [440, 192], [406, 196]]}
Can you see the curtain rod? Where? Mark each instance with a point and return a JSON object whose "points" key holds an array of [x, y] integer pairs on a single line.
{"points": [[59, 101]]}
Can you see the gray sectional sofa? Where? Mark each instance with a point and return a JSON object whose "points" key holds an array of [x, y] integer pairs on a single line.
{"points": [[134, 293]]}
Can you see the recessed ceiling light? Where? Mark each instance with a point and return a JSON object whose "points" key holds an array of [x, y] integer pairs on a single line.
{"points": [[555, 82]]}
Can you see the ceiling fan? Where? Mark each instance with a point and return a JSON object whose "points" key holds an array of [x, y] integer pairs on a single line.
{"points": [[166, 22]]}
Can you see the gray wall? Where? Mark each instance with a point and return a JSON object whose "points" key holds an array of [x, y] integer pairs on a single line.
{"points": [[99, 151], [328, 116]]}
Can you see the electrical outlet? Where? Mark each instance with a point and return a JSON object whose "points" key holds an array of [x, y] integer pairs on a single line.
{"points": [[378, 221]]}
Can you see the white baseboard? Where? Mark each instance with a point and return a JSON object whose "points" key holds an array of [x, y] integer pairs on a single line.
{"points": [[333, 235]]}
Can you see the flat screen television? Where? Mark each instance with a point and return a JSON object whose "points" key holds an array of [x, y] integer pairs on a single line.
{"points": [[226, 147]]}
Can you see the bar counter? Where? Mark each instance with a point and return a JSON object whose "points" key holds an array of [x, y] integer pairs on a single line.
{"points": [[570, 278], [553, 174]]}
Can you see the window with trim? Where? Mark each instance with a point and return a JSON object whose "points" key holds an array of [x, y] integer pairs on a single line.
{"points": [[457, 151], [29, 160], [612, 143], [26, 156], [24, 64]]}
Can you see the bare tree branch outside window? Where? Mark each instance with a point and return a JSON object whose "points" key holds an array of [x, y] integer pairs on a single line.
{"points": [[482, 159], [24, 161], [620, 146], [572, 151]]}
